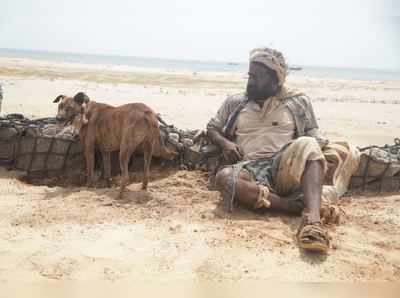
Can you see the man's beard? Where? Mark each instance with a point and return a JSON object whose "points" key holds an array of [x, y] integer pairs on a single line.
{"points": [[254, 94]]}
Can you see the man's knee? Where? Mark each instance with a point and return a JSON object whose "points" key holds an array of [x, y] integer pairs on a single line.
{"points": [[306, 141], [318, 163], [222, 177], [294, 162], [307, 146]]}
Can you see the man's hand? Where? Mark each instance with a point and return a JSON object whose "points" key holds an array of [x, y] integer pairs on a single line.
{"points": [[231, 152]]}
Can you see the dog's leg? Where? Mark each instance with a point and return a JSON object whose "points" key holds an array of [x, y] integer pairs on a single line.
{"points": [[130, 141], [107, 167], [148, 153], [89, 156], [125, 154]]}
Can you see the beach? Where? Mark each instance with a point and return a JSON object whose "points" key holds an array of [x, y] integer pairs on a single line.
{"points": [[179, 230], [361, 112]]}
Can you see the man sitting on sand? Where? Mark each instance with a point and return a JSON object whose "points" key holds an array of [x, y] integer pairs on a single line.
{"points": [[270, 137]]}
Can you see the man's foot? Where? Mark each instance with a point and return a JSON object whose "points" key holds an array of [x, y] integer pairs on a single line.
{"points": [[312, 236], [330, 214]]}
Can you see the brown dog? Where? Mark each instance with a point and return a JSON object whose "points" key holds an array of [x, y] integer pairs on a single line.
{"points": [[109, 128]]}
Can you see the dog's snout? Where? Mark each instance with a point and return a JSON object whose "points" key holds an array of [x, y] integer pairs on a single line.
{"points": [[60, 119]]}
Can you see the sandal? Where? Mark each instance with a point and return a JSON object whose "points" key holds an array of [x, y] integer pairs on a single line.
{"points": [[312, 236]]}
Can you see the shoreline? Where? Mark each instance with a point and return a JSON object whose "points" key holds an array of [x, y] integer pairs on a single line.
{"points": [[118, 68], [18, 62], [362, 112], [193, 65]]}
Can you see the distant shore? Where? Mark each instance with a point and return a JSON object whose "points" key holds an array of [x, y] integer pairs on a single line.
{"points": [[187, 65]]}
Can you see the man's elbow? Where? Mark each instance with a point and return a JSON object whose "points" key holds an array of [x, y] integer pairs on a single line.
{"points": [[316, 134], [213, 135], [211, 132]]}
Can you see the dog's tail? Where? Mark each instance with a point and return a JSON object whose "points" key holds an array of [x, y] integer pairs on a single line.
{"points": [[154, 136], [152, 124]]}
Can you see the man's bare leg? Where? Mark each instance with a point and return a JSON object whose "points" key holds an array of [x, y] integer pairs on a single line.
{"points": [[311, 183], [247, 192], [312, 236]]}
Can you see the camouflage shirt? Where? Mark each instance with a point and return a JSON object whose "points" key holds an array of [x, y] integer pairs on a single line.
{"points": [[300, 107]]}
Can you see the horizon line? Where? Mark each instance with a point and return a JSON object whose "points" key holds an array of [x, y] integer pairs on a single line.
{"points": [[190, 59]]}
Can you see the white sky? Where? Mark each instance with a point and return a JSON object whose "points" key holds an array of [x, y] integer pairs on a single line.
{"points": [[352, 33]]}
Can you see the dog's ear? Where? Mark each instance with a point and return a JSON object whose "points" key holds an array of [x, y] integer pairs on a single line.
{"points": [[81, 98], [58, 98]]}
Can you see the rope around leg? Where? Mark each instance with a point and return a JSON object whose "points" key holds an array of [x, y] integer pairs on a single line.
{"points": [[262, 199]]}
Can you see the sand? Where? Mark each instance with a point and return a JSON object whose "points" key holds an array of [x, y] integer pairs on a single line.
{"points": [[178, 231]]}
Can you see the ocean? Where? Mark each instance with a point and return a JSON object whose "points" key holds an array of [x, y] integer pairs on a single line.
{"points": [[200, 66]]}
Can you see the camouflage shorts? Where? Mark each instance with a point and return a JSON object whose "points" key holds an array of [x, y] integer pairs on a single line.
{"points": [[262, 171]]}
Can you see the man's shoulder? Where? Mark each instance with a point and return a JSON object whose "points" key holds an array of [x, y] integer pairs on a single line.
{"points": [[232, 102], [297, 97], [299, 100], [235, 98]]}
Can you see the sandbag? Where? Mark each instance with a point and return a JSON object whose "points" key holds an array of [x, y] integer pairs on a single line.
{"points": [[39, 147], [47, 154], [8, 139], [379, 169], [10, 132]]}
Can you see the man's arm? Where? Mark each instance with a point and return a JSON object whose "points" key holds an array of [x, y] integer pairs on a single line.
{"points": [[316, 134], [311, 128], [215, 127], [216, 137], [230, 150], [314, 131]]}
